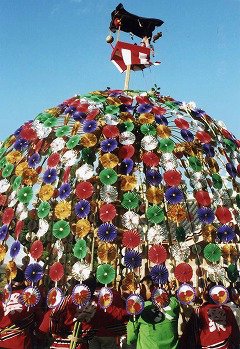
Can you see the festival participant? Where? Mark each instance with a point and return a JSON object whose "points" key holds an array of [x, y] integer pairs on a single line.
{"points": [[17, 322], [154, 329], [211, 326]]}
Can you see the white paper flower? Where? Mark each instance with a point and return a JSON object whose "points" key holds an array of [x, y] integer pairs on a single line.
{"points": [[4, 185], [149, 143], [156, 235], [84, 172], [111, 119], [127, 138], [130, 220], [43, 228], [69, 158], [81, 271], [57, 145], [12, 199], [41, 130]]}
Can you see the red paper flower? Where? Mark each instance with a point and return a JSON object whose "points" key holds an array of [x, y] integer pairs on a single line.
{"points": [[110, 131], [19, 228], [83, 107], [150, 159], [3, 199], [131, 239], [181, 123], [53, 160], [158, 110], [84, 190], [203, 137], [183, 272], [157, 254], [172, 177], [223, 214], [56, 271], [126, 100], [107, 212], [92, 114], [143, 100], [126, 151], [66, 174], [203, 198], [36, 249], [8, 215], [28, 133]]}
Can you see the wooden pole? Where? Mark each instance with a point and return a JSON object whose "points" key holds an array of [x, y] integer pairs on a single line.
{"points": [[127, 77]]}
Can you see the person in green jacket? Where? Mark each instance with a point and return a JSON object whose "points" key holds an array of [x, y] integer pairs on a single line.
{"points": [[154, 329]]}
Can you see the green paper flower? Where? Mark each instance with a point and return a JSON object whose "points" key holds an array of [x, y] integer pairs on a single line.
{"points": [[2, 151], [25, 195], [195, 163], [148, 129], [73, 141], [51, 121], [166, 145], [108, 176], [43, 209], [61, 229], [238, 200], [155, 214], [112, 109], [88, 155], [212, 252], [96, 98], [80, 249], [217, 181], [3, 162], [171, 105], [62, 131], [230, 145], [129, 126], [7, 171], [105, 274], [180, 234], [130, 201], [42, 117], [16, 183], [232, 272]]}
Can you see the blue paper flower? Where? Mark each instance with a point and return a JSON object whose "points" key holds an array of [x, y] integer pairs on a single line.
{"points": [[161, 120], [126, 108], [89, 126], [69, 110], [50, 175], [34, 272], [205, 215], [132, 259], [17, 132], [64, 191], [144, 108], [15, 248], [107, 232], [126, 166], [79, 116], [208, 150], [174, 195], [159, 274], [109, 145], [3, 232], [153, 177], [34, 160], [231, 170], [20, 144], [225, 233], [187, 135], [82, 208], [198, 113]]}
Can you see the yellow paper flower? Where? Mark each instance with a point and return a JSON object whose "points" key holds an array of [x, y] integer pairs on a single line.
{"points": [[154, 195], [163, 131], [30, 176], [9, 141], [82, 228], [229, 252], [113, 101], [128, 183], [146, 118], [109, 160], [208, 231], [176, 213], [11, 270], [88, 140], [46, 192], [20, 168], [3, 251], [126, 116], [63, 209], [213, 165], [54, 111], [107, 252], [14, 156]]}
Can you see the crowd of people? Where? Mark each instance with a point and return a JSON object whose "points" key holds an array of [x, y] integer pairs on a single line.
{"points": [[67, 326]]}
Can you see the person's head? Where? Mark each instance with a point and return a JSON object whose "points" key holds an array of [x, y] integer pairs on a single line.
{"points": [[18, 281], [147, 287], [91, 282], [206, 295]]}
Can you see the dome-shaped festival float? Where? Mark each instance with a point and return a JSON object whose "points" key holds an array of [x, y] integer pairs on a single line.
{"points": [[122, 183]]}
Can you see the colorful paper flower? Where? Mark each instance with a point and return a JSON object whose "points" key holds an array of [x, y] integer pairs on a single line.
{"points": [[46, 192], [43, 209], [89, 126], [108, 193], [36, 249], [226, 233], [30, 296], [155, 214], [174, 195], [80, 249], [34, 160], [150, 159], [82, 208], [212, 252], [20, 144], [157, 254], [107, 212], [108, 176], [64, 191], [154, 195], [107, 232], [159, 274], [132, 259], [109, 145], [109, 160], [126, 166], [131, 239], [205, 215], [25, 195], [33, 272], [153, 177], [105, 274], [183, 272], [61, 229], [84, 190], [50, 176], [15, 248], [63, 209], [130, 201]]}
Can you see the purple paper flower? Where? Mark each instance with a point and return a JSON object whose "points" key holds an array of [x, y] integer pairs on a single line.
{"points": [[198, 113], [126, 108], [174, 195], [132, 259], [161, 120], [107, 232], [159, 274], [187, 135], [231, 170], [50, 175], [205, 215], [79, 116], [15, 248], [208, 150], [64, 191], [126, 166], [69, 110], [225, 233], [17, 132], [153, 177], [34, 160], [82, 208], [34, 272], [144, 108], [89, 126], [20, 144], [3, 232], [109, 145]]}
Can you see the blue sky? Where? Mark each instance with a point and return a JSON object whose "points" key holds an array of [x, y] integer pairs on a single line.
{"points": [[53, 49]]}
